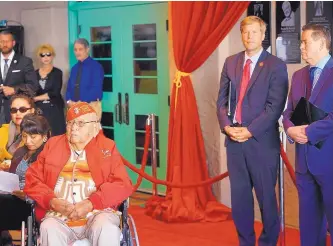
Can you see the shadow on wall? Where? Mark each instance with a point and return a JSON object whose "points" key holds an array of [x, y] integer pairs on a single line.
{"points": [[206, 87]]}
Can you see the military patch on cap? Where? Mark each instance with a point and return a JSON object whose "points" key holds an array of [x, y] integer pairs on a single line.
{"points": [[79, 109]]}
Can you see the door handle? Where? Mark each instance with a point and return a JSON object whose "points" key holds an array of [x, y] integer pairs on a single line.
{"points": [[126, 110], [118, 111]]}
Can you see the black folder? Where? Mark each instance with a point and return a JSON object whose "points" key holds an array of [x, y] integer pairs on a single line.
{"points": [[306, 113]]}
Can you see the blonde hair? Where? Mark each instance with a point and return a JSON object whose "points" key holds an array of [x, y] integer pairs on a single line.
{"points": [[253, 19], [45, 48]]}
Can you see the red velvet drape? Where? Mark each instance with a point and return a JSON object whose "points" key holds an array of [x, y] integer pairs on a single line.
{"points": [[197, 29]]}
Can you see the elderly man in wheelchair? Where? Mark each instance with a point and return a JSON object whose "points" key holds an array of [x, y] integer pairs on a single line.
{"points": [[78, 182]]}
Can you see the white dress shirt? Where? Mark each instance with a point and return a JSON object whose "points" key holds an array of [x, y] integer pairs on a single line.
{"points": [[2, 61], [254, 59]]}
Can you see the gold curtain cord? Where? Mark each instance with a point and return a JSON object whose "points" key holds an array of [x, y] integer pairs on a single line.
{"points": [[178, 83]]}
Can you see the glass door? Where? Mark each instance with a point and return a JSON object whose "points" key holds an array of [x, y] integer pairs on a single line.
{"points": [[131, 43], [104, 37], [146, 81]]}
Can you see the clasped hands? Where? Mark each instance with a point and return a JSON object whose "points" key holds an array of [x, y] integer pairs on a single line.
{"points": [[238, 134], [298, 134], [72, 211]]}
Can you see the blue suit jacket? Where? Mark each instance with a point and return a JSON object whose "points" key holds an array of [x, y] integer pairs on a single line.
{"points": [[263, 102], [307, 155]]}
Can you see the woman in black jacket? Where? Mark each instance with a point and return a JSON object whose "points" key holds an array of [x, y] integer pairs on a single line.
{"points": [[49, 98]]}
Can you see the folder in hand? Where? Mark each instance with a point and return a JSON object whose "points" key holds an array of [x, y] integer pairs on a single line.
{"points": [[306, 113]]}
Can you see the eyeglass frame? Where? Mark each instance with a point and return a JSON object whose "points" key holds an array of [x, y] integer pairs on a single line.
{"points": [[80, 124]]}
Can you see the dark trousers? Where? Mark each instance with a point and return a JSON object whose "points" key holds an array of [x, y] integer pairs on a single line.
{"points": [[315, 193], [13, 211], [251, 165]]}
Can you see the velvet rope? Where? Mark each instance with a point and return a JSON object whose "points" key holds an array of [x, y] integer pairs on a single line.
{"points": [[287, 163], [209, 181], [145, 156], [170, 184]]}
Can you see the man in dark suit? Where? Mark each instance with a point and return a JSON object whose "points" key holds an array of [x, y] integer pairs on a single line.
{"points": [[314, 167], [17, 72], [253, 92]]}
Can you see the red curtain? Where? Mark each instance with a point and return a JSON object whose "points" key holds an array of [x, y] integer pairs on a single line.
{"points": [[197, 29]]}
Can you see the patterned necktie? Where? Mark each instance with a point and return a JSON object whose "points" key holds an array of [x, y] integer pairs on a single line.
{"points": [[244, 84], [312, 75], [5, 69]]}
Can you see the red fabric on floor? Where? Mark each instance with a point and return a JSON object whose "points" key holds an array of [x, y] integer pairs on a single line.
{"points": [[153, 232]]}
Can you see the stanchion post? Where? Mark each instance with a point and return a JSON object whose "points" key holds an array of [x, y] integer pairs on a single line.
{"points": [[281, 195], [153, 151]]}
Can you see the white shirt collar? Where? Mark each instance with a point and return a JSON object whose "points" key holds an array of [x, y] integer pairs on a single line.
{"points": [[10, 57], [254, 58]]}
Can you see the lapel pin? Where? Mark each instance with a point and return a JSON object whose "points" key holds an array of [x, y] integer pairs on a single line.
{"points": [[15, 61], [261, 64]]}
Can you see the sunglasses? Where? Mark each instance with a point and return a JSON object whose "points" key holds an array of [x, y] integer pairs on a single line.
{"points": [[45, 54], [21, 109]]}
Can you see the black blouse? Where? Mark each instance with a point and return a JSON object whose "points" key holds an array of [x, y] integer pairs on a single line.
{"points": [[51, 85]]}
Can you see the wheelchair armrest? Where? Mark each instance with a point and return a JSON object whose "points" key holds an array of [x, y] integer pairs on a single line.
{"points": [[123, 209], [31, 202]]}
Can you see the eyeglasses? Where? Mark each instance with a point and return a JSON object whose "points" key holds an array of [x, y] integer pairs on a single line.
{"points": [[45, 54], [21, 109], [78, 123]]}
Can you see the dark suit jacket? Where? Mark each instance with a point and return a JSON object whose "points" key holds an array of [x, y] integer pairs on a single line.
{"points": [[264, 99], [21, 74], [319, 161]]}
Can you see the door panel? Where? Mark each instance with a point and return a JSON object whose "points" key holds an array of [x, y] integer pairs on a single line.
{"points": [[146, 80], [131, 43], [103, 37]]}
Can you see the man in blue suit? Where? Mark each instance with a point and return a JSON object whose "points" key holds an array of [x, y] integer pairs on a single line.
{"points": [[252, 96], [314, 167]]}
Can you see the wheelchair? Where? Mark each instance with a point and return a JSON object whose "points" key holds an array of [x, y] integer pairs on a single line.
{"points": [[129, 236]]}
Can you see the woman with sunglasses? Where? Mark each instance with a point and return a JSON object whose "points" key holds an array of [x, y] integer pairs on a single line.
{"points": [[21, 104], [35, 131], [48, 97]]}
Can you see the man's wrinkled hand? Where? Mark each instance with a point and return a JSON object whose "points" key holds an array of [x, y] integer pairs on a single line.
{"points": [[297, 133], [8, 91], [61, 206], [231, 132], [81, 210], [20, 194], [238, 134]]}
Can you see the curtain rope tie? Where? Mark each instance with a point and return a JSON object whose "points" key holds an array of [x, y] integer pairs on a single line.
{"points": [[178, 83]]}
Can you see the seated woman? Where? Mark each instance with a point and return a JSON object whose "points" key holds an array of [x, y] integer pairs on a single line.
{"points": [[10, 134], [35, 131]]}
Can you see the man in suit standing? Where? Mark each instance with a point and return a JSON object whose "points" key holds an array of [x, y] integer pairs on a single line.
{"points": [[17, 72], [85, 82], [252, 95], [314, 167]]}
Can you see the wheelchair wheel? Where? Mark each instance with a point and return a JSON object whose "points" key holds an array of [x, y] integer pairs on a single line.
{"points": [[30, 239], [134, 240]]}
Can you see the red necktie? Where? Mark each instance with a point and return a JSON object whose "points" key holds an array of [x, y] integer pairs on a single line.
{"points": [[244, 84]]}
